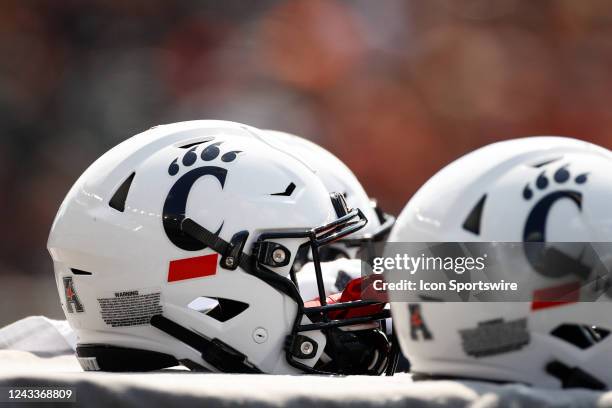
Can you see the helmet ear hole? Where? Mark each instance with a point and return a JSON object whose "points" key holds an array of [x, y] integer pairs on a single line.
{"points": [[218, 308], [580, 335]]}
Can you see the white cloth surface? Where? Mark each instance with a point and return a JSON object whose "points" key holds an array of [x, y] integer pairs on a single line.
{"points": [[187, 389], [39, 335], [38, 352]]}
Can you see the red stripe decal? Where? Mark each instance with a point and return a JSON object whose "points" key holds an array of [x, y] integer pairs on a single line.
{"points": [[190, 268], [563, 294]]}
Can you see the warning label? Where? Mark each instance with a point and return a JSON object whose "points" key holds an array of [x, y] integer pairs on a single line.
{"points": [[495, 337], [130, 308]]}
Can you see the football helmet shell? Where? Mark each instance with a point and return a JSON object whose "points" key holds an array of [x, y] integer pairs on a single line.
{"points": [[568, 182], [190, 211]]}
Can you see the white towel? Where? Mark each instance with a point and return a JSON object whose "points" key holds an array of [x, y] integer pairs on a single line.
{"points": [[39, 335]]}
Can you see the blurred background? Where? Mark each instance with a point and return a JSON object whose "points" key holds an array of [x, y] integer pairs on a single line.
{"points": [[396, 89]]}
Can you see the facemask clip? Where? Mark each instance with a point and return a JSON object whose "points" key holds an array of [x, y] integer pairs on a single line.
{"points": [[302, 346], [272, 254]]}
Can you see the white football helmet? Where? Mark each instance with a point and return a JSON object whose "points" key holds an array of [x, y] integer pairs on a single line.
{"points": [[540, 189], [337, 177], [176, 246]]}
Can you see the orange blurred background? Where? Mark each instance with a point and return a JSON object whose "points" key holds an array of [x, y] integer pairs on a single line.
{"points": [[396, 89]]}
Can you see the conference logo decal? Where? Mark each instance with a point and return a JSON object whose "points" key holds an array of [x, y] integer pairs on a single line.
{"points": [[73, 303], [417, 324]]}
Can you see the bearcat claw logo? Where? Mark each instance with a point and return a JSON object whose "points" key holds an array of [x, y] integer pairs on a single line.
{"points": [[552, 185], [176, 201], [550, 261], [535, 227]]}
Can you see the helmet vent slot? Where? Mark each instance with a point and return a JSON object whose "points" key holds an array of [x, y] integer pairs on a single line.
{"points": [[195, 143], [472, 222], [288, 191], [545, 162], [218, 308], [118, 200], [580, 335], [80, 272]]}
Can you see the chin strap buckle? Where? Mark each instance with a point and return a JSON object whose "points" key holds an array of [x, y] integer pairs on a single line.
{"points": [[231, 258]]}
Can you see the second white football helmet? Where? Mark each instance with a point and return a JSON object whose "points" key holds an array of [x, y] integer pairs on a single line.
{"points": [[542, 189]]}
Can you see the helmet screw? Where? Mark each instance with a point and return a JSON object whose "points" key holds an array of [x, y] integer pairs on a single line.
{"points": [[279, 255], [306, 348], [260, 335], [229, 261]]}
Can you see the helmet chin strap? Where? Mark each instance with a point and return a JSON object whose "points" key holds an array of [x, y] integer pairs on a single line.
{"points": [[215, 352], [231, 252], [573, 377], [218, 354]]}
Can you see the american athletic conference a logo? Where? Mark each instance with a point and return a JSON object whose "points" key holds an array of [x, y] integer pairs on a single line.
{"points": [[176, 201], [73, 303]]}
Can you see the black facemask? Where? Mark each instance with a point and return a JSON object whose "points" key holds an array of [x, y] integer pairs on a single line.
{"points": [[366, 351]]}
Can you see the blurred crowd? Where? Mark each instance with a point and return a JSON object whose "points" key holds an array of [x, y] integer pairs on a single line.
{"points": [[395, 88]]}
